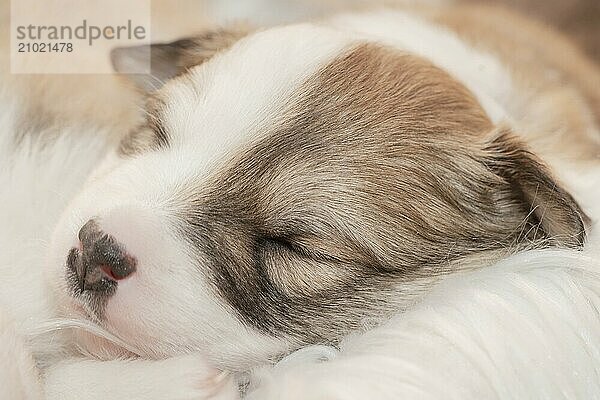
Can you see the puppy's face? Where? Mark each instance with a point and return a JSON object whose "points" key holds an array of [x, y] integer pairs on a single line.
{"points": [[288, 189]]}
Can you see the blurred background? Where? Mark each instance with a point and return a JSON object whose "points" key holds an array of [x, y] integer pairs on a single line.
{"points": [[579, 19], [104, 101]]}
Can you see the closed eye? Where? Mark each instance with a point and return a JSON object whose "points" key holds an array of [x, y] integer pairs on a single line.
{"points": [[299, 270], [311, 247]]}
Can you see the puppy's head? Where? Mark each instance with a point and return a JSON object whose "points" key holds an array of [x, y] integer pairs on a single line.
{"points": [[290, 186]]}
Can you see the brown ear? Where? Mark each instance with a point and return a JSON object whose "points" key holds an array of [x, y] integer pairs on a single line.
{"points": [[552, 213], [167, 60]]}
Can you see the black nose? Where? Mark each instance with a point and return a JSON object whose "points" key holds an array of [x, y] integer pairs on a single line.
{"points": [[100, 260]]}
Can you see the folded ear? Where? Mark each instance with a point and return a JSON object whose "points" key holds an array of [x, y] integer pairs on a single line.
{"points": [[167, 60], [552, 213]]}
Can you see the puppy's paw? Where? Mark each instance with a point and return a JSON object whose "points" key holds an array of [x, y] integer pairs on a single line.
{"points": [[301, 376], [178, 378], [199, 381]]}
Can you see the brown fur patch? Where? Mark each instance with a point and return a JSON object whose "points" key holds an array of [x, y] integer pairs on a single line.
{"points": [[381, 176]]}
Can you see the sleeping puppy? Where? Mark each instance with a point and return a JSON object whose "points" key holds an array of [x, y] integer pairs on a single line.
{"points": [[294, 184]]}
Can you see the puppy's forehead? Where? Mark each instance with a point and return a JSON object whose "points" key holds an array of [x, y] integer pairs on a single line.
{"points": [[239, 94], [327, 84]]}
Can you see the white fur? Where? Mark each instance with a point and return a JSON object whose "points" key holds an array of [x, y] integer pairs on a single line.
{"points": [[19, 377], [36, 182]]}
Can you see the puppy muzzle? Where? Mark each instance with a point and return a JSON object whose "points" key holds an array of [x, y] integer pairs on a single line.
{"points": [[99, 261]]}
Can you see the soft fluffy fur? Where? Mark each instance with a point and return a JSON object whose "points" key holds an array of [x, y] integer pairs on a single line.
{"points": [[239, 338], [526, 328]]}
